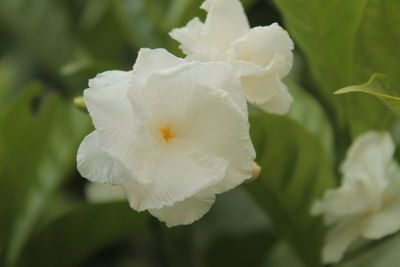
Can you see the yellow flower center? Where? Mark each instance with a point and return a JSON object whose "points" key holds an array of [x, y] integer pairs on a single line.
{"points": [[167, 133]]}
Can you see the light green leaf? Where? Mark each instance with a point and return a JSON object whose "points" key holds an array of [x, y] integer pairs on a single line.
{"points": [[380, 86], [307, 111], [39, 135], [295, 172], [75, 236]]}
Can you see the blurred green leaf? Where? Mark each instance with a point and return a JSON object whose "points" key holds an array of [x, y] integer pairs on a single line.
{"points": [[308, 111], [380, 86], [332, 34], [77, 235], [381, 253], [139, 20], [42, 28], [377, 41], [238, 251], [39, 135], [290, 181], [281, 255]]}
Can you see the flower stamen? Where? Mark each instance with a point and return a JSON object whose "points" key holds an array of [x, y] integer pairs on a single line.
{"points": [[167, 133]]}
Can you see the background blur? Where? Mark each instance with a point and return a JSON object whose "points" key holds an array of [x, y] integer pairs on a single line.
{"points": [[50, 48]]}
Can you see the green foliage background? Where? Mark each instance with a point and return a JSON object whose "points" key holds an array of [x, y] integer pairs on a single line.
{"points": [[48, 51]]}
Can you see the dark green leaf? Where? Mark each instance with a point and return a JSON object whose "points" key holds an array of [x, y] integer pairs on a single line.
{"points": [[238, 251], [75, 236], [39, 135]]}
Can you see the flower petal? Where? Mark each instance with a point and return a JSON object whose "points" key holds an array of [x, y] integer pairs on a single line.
{"points": [[184, 212], [280, 103], [226, 135], [207, 120], [192, 41], [387, 219], [213, 124], [368, 159], [370, 153], [180, 175], [217, 75], [150, 61], [97, 165], [109, 107], [338, 240], [335, 205], [225, 22], [261, 87], [262, 44]]}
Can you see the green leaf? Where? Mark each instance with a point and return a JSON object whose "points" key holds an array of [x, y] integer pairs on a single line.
{"points": [[139, 20], [381, 253], [333, 36], [377, 41], [75, 236], [243, 250], [295, 172], [282, 255], [39, 135], [42, 28], [380, 86], [307, 111]]}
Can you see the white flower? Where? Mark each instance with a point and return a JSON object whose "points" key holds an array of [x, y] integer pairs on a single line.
{"points": [[263, 55], [173, 133], [367, 204]]}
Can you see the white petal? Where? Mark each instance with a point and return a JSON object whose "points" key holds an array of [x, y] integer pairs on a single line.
{"points": [[335, 204], [109, 107], [226, 135], [280, 103], [180, 175], [216, 75], [206, 119], [262, 44], [338, 240], [370, 153], [192, 40], [184, 212], [150, 61], [367, 160], [225, 22], [261, 87], [97, 165], [386, 220]]}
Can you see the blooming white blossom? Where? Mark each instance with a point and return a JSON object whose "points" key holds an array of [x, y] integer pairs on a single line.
{"points": [[173, 133], [367, 203], [262, 55]]}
